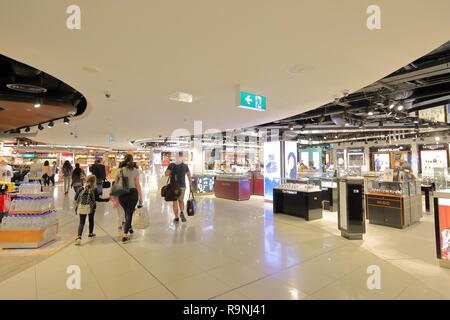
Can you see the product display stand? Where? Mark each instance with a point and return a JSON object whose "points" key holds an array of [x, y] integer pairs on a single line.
{"points": [[306, 204], [351, 219], [30, 222], [441, 203]]}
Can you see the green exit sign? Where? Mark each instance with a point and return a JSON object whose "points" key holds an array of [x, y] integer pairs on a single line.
{"points": [[252, 101]]}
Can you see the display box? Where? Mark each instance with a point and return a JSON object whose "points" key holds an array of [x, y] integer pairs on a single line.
{"points": [[19, 239]]}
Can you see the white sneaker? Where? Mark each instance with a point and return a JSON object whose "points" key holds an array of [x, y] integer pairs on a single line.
{"points": [[78, 242]]}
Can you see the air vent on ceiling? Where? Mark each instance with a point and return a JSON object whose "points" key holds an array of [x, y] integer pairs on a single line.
{"points": [[28, 88]]}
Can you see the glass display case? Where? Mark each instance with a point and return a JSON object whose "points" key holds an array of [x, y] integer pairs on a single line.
{"points": [[404, 188]]}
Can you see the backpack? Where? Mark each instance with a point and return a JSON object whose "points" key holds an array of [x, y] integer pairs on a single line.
{"points": [[85, 201]]}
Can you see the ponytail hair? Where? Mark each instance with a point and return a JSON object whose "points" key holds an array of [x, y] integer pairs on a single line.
{"points": [[91, 182], [128, 162]]}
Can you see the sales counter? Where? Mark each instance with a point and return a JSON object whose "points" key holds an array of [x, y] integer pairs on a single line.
{"points": [[393, 204], [257, 186], [301, 202], [233, 187], [203, 184]]}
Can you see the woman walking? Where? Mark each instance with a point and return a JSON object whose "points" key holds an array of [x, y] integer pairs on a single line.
{"points": [[46, 173], [67, 172], [86, 199], [129, 200], [78, 176]]}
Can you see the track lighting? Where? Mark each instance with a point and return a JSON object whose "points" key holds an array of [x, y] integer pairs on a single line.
{"points": [[66, 120], [27, 129], [400, 107], [40, 127], [291, 126], [370, 113], [50, 124], [392, 106]]}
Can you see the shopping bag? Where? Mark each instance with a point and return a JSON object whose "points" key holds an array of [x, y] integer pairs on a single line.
{"points": [[140, 219], [191, 205]]}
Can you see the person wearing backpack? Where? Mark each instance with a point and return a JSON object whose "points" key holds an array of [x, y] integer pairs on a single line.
{"points": [[129, 170], [85, 200], [177, 171]]}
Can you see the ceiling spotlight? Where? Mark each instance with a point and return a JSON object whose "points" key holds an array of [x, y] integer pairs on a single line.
{"points": [[291, 126], [392, 106], [335, 136], [50, 124], [400, 107], [347, 124], [66, 120], [27, 129], [40, 127], [416, 121], [437, 138], [324, 138], [37, 105], [370, 113]]}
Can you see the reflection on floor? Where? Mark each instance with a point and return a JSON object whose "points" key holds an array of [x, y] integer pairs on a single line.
{"points": [[233, 250]]}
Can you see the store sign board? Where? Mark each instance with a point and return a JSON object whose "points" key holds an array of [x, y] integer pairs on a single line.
{"points": [[252, 101], [391, 149], [433, 147], [355, 150], [28, 155]]}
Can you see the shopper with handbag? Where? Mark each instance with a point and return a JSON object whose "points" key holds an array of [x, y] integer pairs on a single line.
{"points": [[78, 176], [128, 188], [177, 172], [85, 200]]}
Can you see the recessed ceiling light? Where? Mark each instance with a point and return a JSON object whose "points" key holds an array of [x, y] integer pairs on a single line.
{"points": [[182, 97], [392, 106], [347, 124], [370, 113], [37, 105], [400, 107], [298, 69], [437, 138]]}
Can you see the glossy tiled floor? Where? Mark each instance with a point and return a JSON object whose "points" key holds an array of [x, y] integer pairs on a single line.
{"points": [[233, 250]]}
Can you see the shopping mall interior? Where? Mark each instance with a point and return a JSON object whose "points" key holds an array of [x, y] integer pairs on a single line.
{"points": [[315, 137]]}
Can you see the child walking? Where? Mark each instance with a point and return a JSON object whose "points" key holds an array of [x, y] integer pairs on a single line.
{"points": [[85, 200]]}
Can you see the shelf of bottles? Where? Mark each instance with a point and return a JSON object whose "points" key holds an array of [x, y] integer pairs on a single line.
{"points": [[31, 220]]}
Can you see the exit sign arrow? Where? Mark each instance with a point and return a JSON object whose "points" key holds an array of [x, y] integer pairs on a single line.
{"points": [[251, 101]]}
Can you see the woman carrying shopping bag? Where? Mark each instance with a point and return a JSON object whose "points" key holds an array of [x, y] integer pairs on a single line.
{"points": [[128, 188]]}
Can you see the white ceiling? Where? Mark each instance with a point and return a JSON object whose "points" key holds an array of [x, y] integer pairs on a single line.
{"points": [[142, 51]]}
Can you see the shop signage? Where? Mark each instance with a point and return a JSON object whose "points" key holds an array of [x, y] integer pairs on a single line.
{"points": [[252, 101], [433, 147], [28, 155], [355, 150], [391, 149]]}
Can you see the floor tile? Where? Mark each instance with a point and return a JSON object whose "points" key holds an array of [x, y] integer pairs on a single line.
{"points": [[199, 287]]}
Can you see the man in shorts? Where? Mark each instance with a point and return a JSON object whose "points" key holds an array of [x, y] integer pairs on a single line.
{"points": [[181, 170]]}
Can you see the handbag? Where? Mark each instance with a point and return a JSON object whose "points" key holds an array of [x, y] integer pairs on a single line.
{"points": [[121, 186], [140, 219], [165, 188], [191, 205], [106, 184]]}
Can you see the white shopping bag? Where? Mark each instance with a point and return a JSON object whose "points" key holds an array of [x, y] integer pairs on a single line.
{"points": [[141, 219]]}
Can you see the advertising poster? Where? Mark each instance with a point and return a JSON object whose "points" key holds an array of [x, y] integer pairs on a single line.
{"points": [[382, 161], [272, 168], [290, 164], [444, 227]]}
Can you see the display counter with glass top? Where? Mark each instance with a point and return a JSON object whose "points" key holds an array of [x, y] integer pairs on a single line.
{"points": [[393, 204], [203, 183], [300, 200], [232, 186]]}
